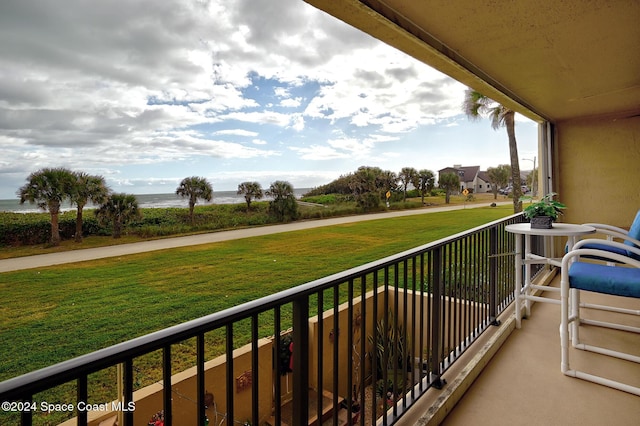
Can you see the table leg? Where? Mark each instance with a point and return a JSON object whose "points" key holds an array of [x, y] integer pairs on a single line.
{"points": [[518, 284], [527, 274], [574, 299]]}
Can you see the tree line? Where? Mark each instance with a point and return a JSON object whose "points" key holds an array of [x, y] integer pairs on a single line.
{"points": [[49, 188], [370, 185]]}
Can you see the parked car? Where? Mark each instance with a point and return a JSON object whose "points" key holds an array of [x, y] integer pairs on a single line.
{"points": [[509, 189]]}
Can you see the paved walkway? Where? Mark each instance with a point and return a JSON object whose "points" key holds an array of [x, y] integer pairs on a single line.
{"points": [[42, 260]]}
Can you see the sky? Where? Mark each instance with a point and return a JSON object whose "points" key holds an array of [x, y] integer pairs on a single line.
{"points": [[147, 92]]}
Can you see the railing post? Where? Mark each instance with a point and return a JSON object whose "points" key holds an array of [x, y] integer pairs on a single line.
{"points": [[277, 387], [493, 276], [82, 395], [436, 319], [166, 381], [128, 390], [255, 385], [230, 378], [349, 396], [320, 352], [26, 417], [301, 360], [200, 386]]}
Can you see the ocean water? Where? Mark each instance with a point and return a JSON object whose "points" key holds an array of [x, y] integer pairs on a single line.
{"points": [[146, 201]]}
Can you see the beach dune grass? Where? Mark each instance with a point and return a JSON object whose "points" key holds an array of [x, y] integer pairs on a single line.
{"points": [[52, 314]]}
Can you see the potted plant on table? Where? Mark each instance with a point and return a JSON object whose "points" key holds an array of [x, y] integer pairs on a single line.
{"points": [[543, 213]]}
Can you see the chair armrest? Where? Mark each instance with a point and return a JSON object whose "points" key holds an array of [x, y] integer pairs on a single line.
{"points": [[606, 255], [613, 231], [604, 226], [581, 243]]}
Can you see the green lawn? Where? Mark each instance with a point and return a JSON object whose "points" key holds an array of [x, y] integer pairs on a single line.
{"points": [[51, 314]]}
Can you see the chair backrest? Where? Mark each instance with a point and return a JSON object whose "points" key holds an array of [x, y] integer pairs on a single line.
{"points": [[634, 231]]}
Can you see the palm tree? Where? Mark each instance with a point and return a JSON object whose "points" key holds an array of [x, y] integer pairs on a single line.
{"points": [[366, 184], [498, 177], [119, 209], [386, 180], [48, 188], [475, 106], [194, 187], [251, 191], [450, 182], [284, 205], [426, 181], [87, 188], [406, 176]]}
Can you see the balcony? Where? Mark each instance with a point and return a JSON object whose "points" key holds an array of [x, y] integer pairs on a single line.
{"points": [[522, 382], [436, 314]]}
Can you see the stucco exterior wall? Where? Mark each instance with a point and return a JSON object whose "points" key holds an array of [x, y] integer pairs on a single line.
{"points": [[597, 170], [330, 337], [149, 399]]}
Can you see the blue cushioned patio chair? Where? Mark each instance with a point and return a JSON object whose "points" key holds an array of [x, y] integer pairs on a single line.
{"points": [[620, 280], [630, 238]]}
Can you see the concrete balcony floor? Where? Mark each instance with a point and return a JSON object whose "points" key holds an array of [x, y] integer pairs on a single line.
{"points": [[522, 383]]}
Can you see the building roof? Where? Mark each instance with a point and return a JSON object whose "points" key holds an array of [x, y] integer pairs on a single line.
{"points": [[466, 173], [483, 175]]}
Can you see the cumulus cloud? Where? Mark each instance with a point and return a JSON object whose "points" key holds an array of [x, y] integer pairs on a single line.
{"points": [[319, 152], [135, 82], [238, 132]]}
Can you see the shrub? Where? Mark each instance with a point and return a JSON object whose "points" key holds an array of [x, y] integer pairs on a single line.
{"points": [[413, 193], [23, 229], [328, 198], [368, 201]]}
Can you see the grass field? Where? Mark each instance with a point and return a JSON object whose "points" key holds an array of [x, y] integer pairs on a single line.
{"points": [[52, 314]]}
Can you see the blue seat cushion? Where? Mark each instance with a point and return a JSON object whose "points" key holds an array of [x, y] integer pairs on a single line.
{"points": [[615, 280]]}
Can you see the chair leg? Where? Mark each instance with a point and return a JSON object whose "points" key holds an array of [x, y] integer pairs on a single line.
{"points": [[570, 322], [574, 316], [605, 382], [564, 325]]}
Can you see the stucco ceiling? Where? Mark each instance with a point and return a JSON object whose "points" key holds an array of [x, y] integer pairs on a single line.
{"points": [[549, 59]]}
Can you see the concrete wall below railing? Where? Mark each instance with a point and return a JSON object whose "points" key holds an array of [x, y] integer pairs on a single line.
{"points": [[148, 400], [331, 337]]}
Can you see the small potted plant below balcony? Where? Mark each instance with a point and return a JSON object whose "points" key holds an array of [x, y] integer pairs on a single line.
{"points": [[543, 213]]}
